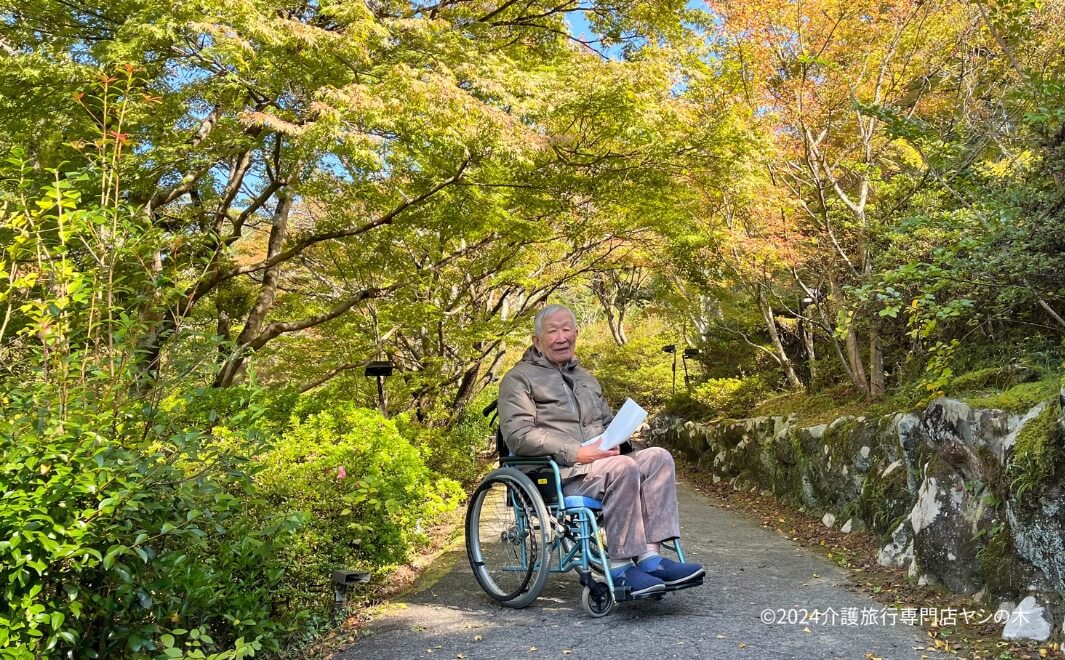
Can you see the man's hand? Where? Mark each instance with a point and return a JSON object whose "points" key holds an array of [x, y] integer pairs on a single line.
{"points": [[590, 453]]}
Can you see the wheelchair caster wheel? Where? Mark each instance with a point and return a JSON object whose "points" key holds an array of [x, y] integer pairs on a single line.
{"points": [[597, 600]]}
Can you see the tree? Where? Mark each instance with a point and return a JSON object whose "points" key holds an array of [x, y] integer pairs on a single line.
{"points": [[266, 136], [829, 80]]}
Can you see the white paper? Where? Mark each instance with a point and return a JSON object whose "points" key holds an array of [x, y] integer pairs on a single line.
{"points": [[624, 425]]}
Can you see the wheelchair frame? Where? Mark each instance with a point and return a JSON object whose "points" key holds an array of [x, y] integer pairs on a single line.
{"points": [[570, 536]]}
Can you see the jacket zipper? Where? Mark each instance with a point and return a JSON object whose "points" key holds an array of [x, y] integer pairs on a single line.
{"points": [[573, 398]]}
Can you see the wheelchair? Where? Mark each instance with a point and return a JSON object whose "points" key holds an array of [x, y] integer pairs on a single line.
{"points": [[520, 527]]}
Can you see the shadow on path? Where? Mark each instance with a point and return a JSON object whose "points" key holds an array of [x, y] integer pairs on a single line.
{"points": [[750, 569]]}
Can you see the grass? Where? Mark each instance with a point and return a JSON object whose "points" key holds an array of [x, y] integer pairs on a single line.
{"points": [[977, 389], [812, 408], [1019, 398]]}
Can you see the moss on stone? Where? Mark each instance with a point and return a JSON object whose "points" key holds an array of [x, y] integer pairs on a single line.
{"points": [[1038, 452], [980, 379], [838, 438], [789, 468], [883, 500], [1001, 567], [994, 476], [1019, 398], [995, 378]]}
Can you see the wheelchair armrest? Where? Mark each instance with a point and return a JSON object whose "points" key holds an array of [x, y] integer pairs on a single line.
{"points": [[525, 460]]}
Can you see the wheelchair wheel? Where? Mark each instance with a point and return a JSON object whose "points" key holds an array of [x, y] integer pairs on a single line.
{"points": [[508, 538], [597, 600]]}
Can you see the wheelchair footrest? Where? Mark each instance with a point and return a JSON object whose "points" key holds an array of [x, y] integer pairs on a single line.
{"points": [[625, 593], [685, 585]]}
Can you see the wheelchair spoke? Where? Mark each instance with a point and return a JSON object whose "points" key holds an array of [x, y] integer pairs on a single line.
{"points": [[506, 539]]}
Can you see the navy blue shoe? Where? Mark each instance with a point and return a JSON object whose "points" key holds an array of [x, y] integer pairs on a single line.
{"points": [[672, 573], [638, 582]]}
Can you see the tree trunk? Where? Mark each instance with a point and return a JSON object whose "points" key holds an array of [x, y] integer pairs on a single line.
{"points": [[225, 331], [233, 369], [876, 365], [854, 359], [466, 390], [778, 346], [811, 356], [599, 288]]}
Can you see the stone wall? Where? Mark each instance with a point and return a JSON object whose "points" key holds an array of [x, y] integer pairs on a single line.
{"points": [[945, 489]]}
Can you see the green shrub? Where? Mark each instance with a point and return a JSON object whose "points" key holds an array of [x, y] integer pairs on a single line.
{"points": [[1018, 398], [123, 534], [731, 397], [460, 450], [365, 488], [123, 524], [685, 406]]}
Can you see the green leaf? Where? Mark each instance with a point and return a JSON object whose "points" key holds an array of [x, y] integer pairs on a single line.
{"points": [[112, 553]]}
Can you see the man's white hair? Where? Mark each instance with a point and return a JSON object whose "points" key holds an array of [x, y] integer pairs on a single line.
{"points": [[551, 310]]}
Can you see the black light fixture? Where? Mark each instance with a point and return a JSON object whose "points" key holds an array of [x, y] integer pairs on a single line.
{"points": [[672, 348], [343, 581], [380, 369]]}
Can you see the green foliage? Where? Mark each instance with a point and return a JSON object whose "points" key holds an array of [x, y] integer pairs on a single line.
{"points": [[448, 170], [1019, 398], [120, 526], [638, 370], [460, 449], [731, 397], [685, 406], [723, 355], [366, 491], [123, 514], [984, 379]]}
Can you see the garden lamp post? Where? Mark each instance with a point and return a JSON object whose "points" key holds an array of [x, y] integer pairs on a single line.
{"points": [[344, 580], [380, 369], [688, 353], [672, 348]]}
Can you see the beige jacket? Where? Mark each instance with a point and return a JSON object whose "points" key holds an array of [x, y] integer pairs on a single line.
{"points": [[545, 409]]}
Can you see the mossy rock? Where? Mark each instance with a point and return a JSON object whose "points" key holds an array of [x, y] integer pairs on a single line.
{"points": [[1019, 398], [728, 435], [1036, 459], [838, 438], [706, 462], [944, 543], [1005, 573], [788, 468], [1038, 531], [996, 378], [884, 499]]}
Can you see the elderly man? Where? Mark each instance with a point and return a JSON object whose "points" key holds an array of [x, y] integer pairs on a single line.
{"points": [[549, 405]]}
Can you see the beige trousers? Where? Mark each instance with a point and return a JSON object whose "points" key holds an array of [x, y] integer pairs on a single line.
{"points": [[639, 495]]}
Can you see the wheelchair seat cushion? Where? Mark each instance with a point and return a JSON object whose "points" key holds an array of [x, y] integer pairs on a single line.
{"points": [[575, 501]]}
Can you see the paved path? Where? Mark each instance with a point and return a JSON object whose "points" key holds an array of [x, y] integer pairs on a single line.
{"points": [[749, 569]]}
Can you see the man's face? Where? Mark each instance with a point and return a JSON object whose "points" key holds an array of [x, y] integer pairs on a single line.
{"points": [[558, 337]]}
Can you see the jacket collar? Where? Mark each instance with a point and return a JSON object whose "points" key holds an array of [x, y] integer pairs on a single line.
{"points": [[535, 357]]}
